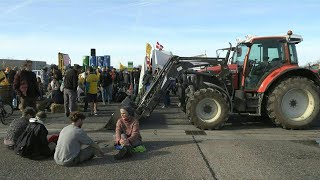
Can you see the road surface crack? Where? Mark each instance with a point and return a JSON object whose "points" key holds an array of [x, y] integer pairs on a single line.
{"points": [[205, 159]]}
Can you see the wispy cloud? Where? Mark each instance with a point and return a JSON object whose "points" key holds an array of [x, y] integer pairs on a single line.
{"points": [[17, 6], [39, 29]]}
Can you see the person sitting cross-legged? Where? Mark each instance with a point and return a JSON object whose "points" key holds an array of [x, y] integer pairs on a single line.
{"points": [[33, 143], [17, 127], [69, 150], [127, 133]]}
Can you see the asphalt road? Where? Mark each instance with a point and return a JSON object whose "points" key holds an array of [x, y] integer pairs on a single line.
{"points": [[244, 149]]}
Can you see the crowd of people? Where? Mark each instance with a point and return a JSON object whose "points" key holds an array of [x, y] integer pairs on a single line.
{"points": [[77, 84], [95, 85], [28, 136]]}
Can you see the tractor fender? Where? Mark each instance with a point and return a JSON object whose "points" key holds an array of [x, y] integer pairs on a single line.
{"points": [[278, 75]]}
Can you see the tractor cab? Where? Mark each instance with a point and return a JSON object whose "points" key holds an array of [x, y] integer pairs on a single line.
{"points": [[257, 57]]}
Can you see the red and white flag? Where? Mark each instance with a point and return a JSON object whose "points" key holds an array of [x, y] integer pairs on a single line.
{"points": [[159, 46]]}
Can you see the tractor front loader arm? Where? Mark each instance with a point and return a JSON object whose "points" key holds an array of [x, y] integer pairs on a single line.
{"points": [[173, 68]]}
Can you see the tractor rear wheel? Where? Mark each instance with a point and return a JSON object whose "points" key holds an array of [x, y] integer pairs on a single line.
{"points": [[294, 103], [208, 109]]}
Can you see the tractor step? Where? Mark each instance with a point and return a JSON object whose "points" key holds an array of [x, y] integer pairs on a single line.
{"points": [[252, 102]]}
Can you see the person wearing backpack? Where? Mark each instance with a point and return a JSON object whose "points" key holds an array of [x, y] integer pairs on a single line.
{"points": [[70, 150], [33, 143], [17, 126]]}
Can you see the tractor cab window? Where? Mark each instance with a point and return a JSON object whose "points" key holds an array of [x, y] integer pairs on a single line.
{"points": [[240, 54], [264, 56], [293, 53]]}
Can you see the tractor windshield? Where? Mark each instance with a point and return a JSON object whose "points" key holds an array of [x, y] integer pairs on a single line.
{"points": [[240, 54]]}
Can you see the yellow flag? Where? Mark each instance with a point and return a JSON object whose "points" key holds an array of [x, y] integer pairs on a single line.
{"points": [[148, 49], [122, 67]]}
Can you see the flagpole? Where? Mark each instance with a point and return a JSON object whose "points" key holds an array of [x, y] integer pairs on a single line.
{"points": [[155, 60], [142, 71]]}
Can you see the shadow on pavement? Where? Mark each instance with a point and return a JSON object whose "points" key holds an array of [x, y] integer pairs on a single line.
{"points": [[154, 149]]}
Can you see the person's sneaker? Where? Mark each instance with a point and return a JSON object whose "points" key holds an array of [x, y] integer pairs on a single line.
{"points": [[164, 106], [129, 151], [95, 113], [121, 154], [67, 114]]}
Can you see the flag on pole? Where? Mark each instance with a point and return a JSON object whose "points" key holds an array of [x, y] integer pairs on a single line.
{"points": [[148, 49], [66, 59], [159, 46], [122, 67]]}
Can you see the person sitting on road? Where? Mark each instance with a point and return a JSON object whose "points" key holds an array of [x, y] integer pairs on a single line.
{"points": [[38, 145], [56, 96], [127, 132], [69, 150], [17, 126]]}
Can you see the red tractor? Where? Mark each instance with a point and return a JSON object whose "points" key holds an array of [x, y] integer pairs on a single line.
{"points": [[262, 78], [267, 81]]}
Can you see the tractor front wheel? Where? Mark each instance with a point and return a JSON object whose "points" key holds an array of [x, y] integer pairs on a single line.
{"points": [[208, 109]]}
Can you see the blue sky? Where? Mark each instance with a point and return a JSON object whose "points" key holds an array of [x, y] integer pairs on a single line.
{"points": [[39, 29]]}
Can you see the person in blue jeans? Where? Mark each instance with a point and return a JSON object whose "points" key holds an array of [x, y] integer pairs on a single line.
{"points": [[166, 100], [166, 97]]}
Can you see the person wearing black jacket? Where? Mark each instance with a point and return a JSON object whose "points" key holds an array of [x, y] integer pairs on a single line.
{"points": [[105, 82], [26, 86], [70, 89], [12, 73], [38, 146], [115, 82], [183, 81], [147, 78]]}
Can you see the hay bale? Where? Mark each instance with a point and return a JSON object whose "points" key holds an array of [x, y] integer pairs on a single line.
{"points": [[57, 108]]}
